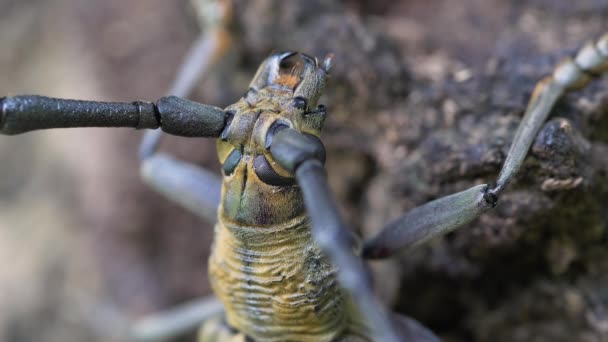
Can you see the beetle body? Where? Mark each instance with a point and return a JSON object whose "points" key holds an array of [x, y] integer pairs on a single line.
{"points": [[280, 247], [274, 281]]}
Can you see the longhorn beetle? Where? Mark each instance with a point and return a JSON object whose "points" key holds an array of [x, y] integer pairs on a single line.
{"points": [[283, 264]]}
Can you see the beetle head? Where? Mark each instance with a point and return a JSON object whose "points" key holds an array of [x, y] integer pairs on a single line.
{"points": [[283, 93], [298, 73]]}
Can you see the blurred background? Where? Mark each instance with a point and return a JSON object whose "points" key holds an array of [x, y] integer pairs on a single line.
{"points": [[424, 100]]}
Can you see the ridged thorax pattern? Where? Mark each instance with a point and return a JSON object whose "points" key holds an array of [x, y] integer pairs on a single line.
{"points": [[275, 283]]}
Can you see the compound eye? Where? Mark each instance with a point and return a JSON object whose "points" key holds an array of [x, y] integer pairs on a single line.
{"points": [[267, 174], [231, 162]]}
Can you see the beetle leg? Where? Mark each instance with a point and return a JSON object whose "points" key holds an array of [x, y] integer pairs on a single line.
{"points": [[571, 74], [302, 155], [448, 213], [430, 220], [192, 187]]}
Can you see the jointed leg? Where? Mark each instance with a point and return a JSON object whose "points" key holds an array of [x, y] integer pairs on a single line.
{"points": [[571, 74], [192, 187], [430, 220], [448, 213]]}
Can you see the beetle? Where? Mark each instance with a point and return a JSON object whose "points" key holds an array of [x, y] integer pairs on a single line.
{"points": [[284, 265]]}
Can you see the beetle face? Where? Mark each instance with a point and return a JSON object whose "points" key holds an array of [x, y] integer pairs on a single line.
{"points": [[293, 72], [291, 83], [283, 93]]}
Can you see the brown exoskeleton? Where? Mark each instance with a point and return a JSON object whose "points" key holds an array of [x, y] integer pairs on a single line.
{"points": [[283, 265]]}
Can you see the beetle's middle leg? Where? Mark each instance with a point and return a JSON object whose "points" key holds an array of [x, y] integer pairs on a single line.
{"points": [[448, 213], [194, 188]]}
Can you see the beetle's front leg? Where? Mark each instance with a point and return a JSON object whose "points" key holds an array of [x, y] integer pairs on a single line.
{"points": [[448, 213], [430, 220], [571, 74], [186, 184]]}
